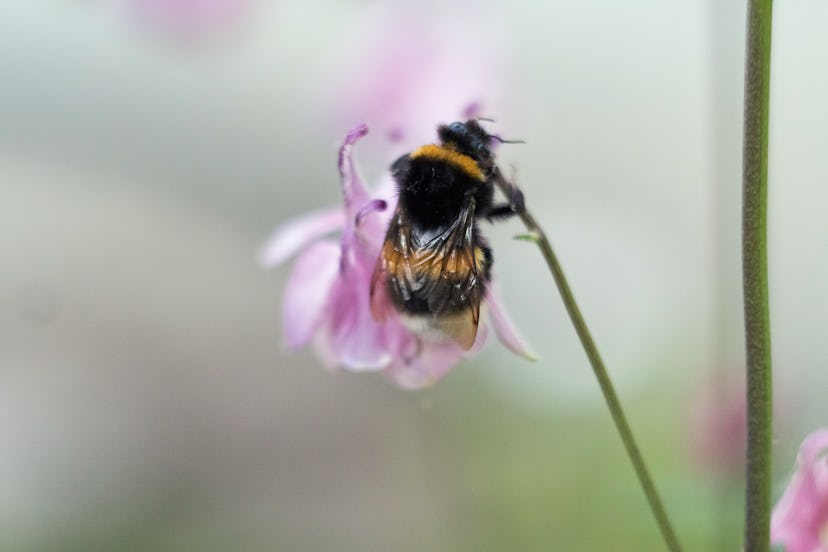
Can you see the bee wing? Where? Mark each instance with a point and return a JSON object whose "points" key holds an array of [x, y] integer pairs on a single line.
{"points": [[393, 258], [444, 273], [381, 306], [454, 287], [460, 328]]}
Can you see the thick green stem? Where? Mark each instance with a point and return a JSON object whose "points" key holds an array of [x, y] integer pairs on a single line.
{"points": [[537, 235], [755, 275]]}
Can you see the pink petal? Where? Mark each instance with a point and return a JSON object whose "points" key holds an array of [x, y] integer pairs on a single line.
{"points": [[293, 236], [504, 328], [813, 445], [307, 292], [359, 345], [353, 188], [358, 351], [373, 206], [191, 18], [802, 513], [425, 367], [373, 225], [354, 337], [717, 424]]}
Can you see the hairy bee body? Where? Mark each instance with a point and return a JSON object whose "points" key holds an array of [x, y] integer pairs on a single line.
{"points": [[435, 264]]}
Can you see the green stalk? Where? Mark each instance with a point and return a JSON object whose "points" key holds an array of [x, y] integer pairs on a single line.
{"points": [[755, 276], [537, 235]]}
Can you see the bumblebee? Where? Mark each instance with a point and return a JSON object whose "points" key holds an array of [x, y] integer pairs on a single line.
{"points": [[435, 264]]}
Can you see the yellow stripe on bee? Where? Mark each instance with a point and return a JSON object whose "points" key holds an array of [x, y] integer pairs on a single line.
{"points": [[453, 158]]}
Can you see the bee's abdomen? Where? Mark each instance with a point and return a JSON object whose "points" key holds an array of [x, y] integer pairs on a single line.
{"points": [[430, 283]]}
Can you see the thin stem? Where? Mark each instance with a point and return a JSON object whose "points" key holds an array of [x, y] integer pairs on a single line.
{"points": [[755, 275], [537, 235]]}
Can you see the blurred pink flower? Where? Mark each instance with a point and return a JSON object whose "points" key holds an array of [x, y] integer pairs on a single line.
{"points": [[400, 68], [327, 294], [800, 518], [718, 425], [190, 19]]}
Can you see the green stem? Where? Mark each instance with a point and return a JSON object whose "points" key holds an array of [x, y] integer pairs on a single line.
{"points": [[755, 275], [537, 235]]}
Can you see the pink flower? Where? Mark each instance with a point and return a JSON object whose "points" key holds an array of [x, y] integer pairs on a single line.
{"points": [[400, 68], [327, 299], [191, 19], [718, 425], [800, 518]]}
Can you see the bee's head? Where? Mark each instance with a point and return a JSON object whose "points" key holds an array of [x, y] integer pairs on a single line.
{"points": [[468, 138]]}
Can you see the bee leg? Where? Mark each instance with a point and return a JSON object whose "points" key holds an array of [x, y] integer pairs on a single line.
{"points": [[516, 200], [400, 166], [516, 203], [501, 212], [515, 206]]}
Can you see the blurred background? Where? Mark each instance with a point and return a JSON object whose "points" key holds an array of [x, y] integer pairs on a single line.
{"points": [[149, 147]]}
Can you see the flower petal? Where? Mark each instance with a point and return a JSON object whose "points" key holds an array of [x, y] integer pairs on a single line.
{"points": [[373, 223], [802, 512], [293, 236], [307, 292], [504, 328], [371, 207], [359, 345], [353, 188], [425, 367], [813, 446], [354, 337], [191, 19]]}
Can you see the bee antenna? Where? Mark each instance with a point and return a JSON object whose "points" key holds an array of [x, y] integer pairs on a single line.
{"points": [[485, 119], [502, 141]]}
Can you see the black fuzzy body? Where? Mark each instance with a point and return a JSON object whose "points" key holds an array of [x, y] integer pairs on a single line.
{"points": [[435, 264], [432, 196]]}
